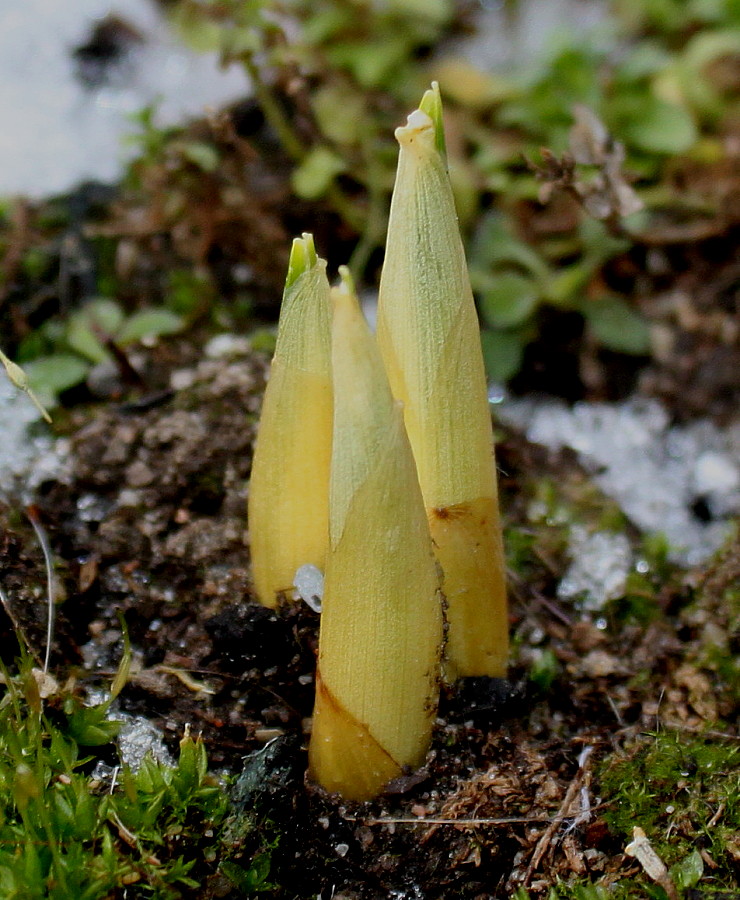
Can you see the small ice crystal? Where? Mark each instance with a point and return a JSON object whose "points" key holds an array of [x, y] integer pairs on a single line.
{"points": [[139, 737], [601, 563], [496, 393], [309, 586]]}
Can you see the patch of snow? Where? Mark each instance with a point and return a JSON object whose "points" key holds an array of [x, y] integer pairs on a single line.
{"points": [[27, 457], [598, 573], [58, 130], [137, 738], [659, 474], [508, 37]]}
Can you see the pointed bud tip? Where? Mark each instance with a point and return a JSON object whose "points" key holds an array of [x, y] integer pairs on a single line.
{"points": [[426, 122], [302, 258], [343, 294], [431, 104]]}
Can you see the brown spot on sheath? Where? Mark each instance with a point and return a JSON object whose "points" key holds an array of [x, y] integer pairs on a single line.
{"points": [[456, 511]]}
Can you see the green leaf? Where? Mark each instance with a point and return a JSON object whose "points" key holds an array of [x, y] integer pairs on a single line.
{"points": [[201, 154], [651, 124], [565, 285], [149, 323], [317, 171], [302, 258], [509, 299], [436, 11], [431, 104], [502, 354], [495, 244], [248, 880], [124, 664], [645, 59], [90, 727], [49, 375], [689, 871], [262, 340], [617, 326], [186, 777], [91, 325], [371, 62], [544, 669], [340, 112]]}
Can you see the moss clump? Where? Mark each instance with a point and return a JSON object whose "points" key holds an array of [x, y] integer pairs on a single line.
{"points": [[714, 620], [157, 832], [684, 792]]}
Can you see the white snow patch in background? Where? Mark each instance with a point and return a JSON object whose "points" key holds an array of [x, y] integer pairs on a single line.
{"points": [[56, 131], [27, 458], [508, 37], [656, 473]]}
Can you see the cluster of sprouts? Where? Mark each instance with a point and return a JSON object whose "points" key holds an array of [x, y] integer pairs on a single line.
{"points": [[374, 464]]}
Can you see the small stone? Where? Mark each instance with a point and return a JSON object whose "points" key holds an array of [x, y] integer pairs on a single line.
{"points": [[226, 345], [600, 664]]}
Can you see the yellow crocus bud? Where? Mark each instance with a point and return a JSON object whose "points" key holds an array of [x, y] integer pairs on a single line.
{"points": [[377, 679], [429, 338], [289, 488]]}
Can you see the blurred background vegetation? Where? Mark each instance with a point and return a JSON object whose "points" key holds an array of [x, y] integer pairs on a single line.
{"points": [[597, 186]]}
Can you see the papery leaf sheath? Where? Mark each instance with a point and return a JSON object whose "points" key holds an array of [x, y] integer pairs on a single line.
{"points": [[381, 628], [288, 493], [429, 337]]}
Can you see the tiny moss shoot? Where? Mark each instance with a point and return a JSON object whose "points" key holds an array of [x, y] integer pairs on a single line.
{"points": [[430, 342], [289, 488], [381, 630]]}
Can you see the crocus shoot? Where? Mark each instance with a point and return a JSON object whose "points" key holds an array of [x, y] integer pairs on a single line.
{"points": [[289, 488], [429, 338], [381, 626]]}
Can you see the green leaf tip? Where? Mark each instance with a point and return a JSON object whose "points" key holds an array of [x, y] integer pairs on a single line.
{"points": [[431, 104], [302, 258]]}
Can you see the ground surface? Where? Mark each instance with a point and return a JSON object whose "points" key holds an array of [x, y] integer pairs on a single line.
{"points": [[152, 522]]}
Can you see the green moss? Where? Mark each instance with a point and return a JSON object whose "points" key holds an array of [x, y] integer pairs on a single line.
{"points": [[714, 617], [158, 832], [684, 792]]}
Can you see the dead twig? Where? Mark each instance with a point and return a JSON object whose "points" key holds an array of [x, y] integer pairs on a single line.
{"points": [[580, 781]]}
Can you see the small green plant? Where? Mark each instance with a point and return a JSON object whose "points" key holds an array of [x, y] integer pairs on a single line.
{"points": [[90, 336], [156, 832], [514, 281]]}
